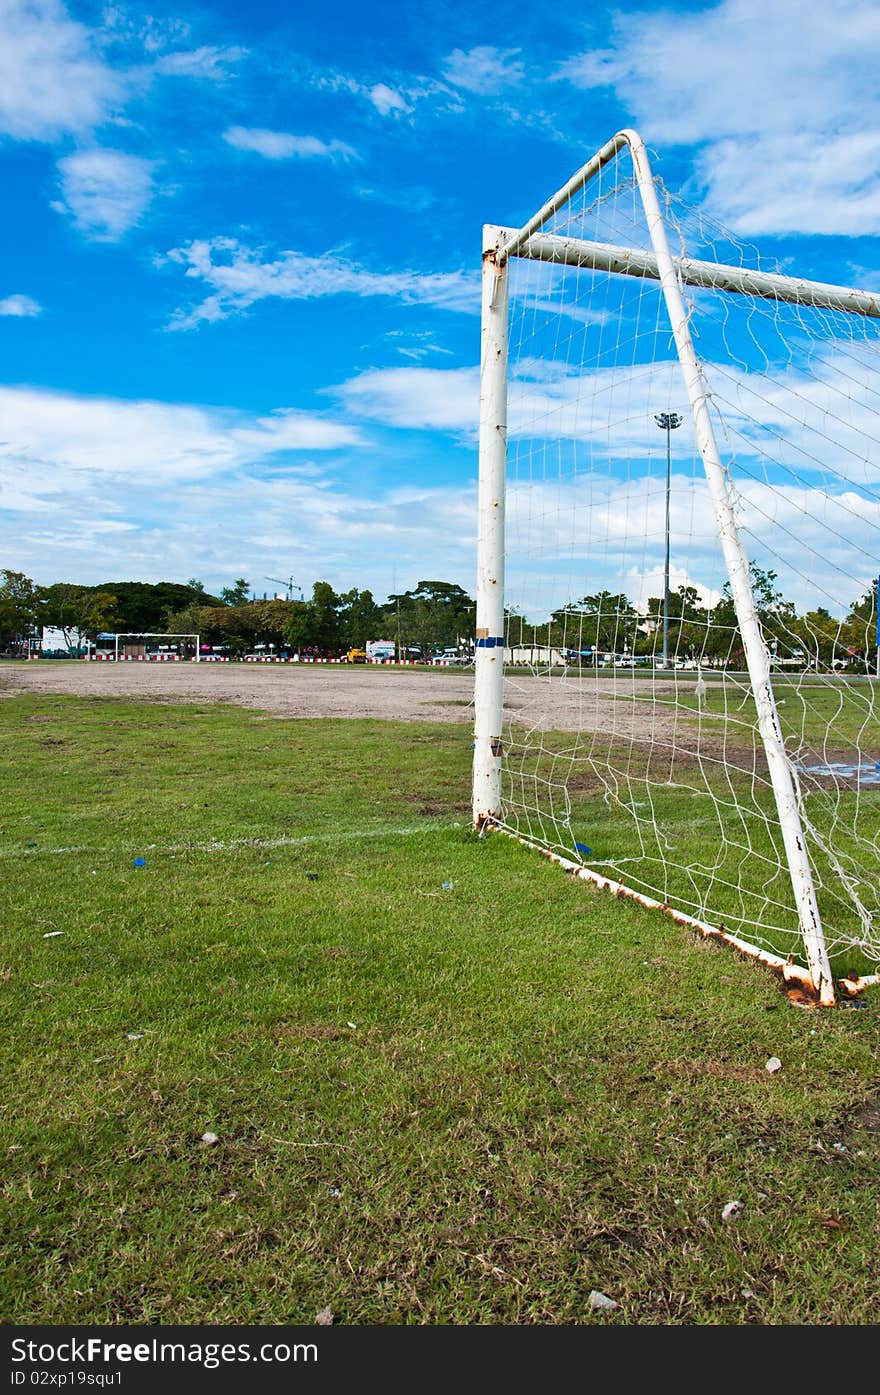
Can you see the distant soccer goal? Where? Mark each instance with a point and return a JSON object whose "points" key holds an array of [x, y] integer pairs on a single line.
{"points": [[148, 647], [679, 538]]}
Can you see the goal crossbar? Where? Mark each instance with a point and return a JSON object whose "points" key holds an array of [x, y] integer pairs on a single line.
{"points": [[628, 261]]}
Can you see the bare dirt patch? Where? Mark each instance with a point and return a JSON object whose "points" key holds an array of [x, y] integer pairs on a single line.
{"points": [[385, 693], [282, 690]]}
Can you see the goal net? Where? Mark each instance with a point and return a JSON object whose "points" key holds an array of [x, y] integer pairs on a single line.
{"points": [[148, 647], [679, 541]]}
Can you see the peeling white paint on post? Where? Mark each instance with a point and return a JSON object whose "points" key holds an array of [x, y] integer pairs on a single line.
{"points": [[489, 638], [756, 652], [501, 244]]}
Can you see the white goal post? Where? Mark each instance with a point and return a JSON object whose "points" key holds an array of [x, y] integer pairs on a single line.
{"points": [[574, 385], [167, 640]]}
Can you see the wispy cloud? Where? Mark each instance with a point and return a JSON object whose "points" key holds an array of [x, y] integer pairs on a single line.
{"points": [[782, 100], [207, 62], [62, 78], [280, 145], [394, 100], [102, 487], [484, 70], [20, 306], [239, 277], [387, 100], [105, 192], [70, 442], [432, 399], [53, 78]]}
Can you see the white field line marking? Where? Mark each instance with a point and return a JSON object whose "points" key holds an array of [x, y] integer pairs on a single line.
{"points": [[219, 845]]}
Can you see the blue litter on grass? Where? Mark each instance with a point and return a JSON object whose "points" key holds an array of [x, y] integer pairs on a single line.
{"points": [[845, 770], [140, 862], [582, 848], [447, 886]]}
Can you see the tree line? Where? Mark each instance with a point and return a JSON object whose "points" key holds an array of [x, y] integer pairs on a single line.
{"points": [[434, 614], [609, 622]]}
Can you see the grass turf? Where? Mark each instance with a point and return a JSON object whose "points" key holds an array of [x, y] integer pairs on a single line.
{"points": [[449, 1084]]}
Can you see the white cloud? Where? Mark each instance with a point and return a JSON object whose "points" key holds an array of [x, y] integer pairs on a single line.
{"points": [[387, 100], [238, 278], [545, 397], [784, 97], [798, 184], [20, 306], [432, 399], [53, 80], [280, 145], [105, 191], [101, 488], [72, 442], [206, 62], [483, 70]]}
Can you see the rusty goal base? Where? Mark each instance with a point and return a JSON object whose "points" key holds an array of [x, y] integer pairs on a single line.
{"points": [[798, 984]]}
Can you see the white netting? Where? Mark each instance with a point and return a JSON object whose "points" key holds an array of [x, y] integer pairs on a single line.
{"points": [[657, 776]]}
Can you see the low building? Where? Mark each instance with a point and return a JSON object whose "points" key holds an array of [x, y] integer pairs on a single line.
{"points": [[534, 655]]}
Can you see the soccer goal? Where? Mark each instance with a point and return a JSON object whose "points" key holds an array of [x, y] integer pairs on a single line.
{"points": [[153, 647], [679, 528]]}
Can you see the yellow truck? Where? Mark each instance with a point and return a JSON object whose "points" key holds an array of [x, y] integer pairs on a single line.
{"points": [[356, 656]]}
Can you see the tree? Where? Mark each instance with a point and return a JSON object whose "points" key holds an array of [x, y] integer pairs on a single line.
{"points": [[19, 606], [144, 607], [816, 635], [314, 624], [688, 622], [237, 593], [603, 621], [360, 618], [79, 612], [776, 616], [858, 633], [435, 614]]}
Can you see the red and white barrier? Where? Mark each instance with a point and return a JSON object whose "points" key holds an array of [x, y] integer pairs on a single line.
{"points": [[246, 659]]}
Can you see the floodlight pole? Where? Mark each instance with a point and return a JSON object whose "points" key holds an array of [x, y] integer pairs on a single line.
{"points": [[669, 422]]}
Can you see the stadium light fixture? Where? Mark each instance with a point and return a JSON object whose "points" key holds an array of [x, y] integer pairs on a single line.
{"points": [[668, 422]]}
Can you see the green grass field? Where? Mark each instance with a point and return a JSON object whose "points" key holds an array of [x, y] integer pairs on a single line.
{"points": [[449, 1084]]}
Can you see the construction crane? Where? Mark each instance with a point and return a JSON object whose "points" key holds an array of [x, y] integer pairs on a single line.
{"points": [[290, 585]]}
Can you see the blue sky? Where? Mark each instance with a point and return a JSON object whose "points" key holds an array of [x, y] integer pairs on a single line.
{"points": [[239, 297]]}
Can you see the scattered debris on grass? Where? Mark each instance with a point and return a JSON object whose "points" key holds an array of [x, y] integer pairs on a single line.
{"points": [[601, 1301], [50, 934], [210, 1138], [324, 1317], [732, 1209], [140, 862], [773, 1065]]}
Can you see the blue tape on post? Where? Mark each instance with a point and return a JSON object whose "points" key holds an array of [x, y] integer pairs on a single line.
{"points": [[582, 848], [490, 642]]}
